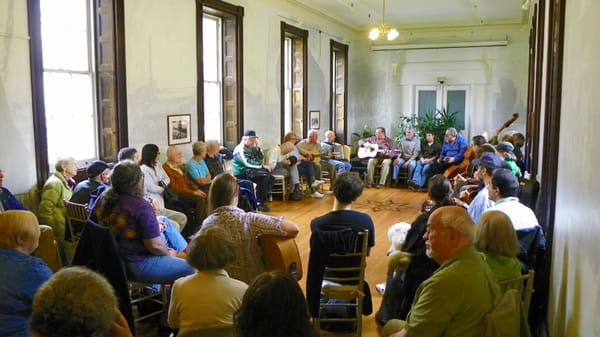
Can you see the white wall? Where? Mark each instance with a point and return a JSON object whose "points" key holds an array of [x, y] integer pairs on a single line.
{"points": [[574, 299], [17, 155]]}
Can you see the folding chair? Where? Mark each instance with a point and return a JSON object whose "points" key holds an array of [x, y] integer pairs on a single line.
{"points": [[524, 284], [77, 215]]}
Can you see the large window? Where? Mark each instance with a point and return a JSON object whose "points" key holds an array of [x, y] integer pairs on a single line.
{"points": [[78, 80], [68, 79], [293, 80], [220, 70], [339, 89], [213, 98]]}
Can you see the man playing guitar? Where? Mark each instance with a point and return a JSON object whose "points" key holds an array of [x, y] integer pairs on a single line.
{"points": [[383, 146]]}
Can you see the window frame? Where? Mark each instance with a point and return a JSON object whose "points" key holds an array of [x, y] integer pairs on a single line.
{"points": [[111, 117], [232, 128], [335, 49], [297, 34]]}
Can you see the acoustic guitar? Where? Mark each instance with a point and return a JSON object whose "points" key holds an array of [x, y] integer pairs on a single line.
{"points": [[369, 150], [281, 253], [461, 167]]}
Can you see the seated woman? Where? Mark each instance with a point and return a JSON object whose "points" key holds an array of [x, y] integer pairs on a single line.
{"points": [[77, 302], [196, 168], [496, 239], [242, 227], [209, 252], [52, 211], [400, 289], [22, 274], [273, 306], [132, 220]]}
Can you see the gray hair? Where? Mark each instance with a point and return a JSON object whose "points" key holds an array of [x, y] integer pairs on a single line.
{"points": [[61, 162], [312, 132], [452, 132], [75, 301]]}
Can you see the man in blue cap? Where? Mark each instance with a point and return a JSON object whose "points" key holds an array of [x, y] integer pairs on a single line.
{"points": [[486, 165], [97, 172]]}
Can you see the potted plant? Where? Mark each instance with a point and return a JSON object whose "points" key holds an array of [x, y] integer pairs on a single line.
{"points": [[435, 120]]}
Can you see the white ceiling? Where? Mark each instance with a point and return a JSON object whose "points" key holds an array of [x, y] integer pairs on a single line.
{"points": [[361, 15]]}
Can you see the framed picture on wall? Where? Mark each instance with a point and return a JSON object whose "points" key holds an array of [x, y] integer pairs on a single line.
{"points": [[315, 119], [178, 129]]}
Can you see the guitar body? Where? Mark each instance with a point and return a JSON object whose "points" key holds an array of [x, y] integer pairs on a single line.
{"points": [[281, 253], [460, 168], [368, 151]]}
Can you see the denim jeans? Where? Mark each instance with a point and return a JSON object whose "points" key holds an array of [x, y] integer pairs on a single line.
{"points": [[171, 236], [411, 168], [158, 269], [421, 173]]}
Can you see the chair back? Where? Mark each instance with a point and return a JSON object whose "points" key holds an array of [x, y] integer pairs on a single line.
{"points": [[339, 281], [76, 216], [524, 285]]}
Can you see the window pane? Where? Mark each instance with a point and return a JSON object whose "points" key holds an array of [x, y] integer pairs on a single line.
{"points": [[212, 110], [427, 101], [456, 103], [65, 34], [211, 45], [70, 119]]}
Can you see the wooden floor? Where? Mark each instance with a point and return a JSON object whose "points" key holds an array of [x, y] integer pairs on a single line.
{"points": [[386, 207]]}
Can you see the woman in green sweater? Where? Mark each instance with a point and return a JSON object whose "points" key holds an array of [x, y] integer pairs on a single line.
{"points": [[496, 239]]}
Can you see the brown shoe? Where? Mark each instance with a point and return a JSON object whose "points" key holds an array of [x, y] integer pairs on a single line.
{"points": [[380, 186]]}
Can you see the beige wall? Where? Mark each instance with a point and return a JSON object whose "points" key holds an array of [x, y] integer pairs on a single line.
{"points": [[574, 300]]}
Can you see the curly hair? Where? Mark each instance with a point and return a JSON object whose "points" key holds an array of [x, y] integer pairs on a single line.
{"points": [[74, 302], [273, 306]]}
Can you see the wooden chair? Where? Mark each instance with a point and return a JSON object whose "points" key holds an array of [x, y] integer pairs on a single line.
{"points": [[280, 186], [524, 284], [343, 280], [77, 215]]}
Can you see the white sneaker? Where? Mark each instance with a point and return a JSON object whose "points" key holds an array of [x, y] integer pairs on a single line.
{"points": [[317, 195], [317, 183], [380, 288]]}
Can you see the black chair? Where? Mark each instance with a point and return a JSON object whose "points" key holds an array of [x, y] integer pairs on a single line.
{"points": [[98, 250]]}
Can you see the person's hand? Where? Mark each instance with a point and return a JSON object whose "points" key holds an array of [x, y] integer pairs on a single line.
{"points": [[330, 155], [154, 204], [119, 327], [406, 164], [459, 178], [396, 161], [161, 226], [172, 252], [200, 193], [267, 168]]}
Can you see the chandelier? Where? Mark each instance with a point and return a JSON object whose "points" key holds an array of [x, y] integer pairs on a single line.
{"points": [[383, 29]]}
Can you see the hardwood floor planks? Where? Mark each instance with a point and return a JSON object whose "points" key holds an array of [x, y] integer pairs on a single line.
{"points": [[386, 207]]}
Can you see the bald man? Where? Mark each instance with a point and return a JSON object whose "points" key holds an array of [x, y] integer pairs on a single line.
{"points": [[189, 195], [456, 298]]}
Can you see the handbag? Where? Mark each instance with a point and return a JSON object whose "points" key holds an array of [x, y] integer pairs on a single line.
{"points": [[252, 173], [168, 194]]}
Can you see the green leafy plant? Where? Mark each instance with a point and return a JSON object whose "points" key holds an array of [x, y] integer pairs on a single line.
{"points": [[367, 132], [435, 120]]}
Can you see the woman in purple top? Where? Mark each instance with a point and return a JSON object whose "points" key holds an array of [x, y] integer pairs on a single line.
{"points": [[136, 229]]}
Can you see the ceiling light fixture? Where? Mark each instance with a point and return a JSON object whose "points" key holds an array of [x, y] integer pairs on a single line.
{"points": [[383, 29]]}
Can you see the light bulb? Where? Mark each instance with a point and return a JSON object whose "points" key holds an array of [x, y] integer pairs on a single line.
{"points": [[392, 34], [374, 34]]}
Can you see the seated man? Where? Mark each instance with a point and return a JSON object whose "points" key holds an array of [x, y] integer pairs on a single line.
{"points": [[332, 155], [430, 150], [248, 163], [188, 193], [215, 155], [310, 162], [346, 189], [7, 199], [486, 165], [285, 164], [410, 147], [97, 173], [381, 145], [453, 152], [504, 189], [455, 300]]}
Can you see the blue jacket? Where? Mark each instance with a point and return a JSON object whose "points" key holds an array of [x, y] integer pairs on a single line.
{"points": [[9, 201], [456, 150]]}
